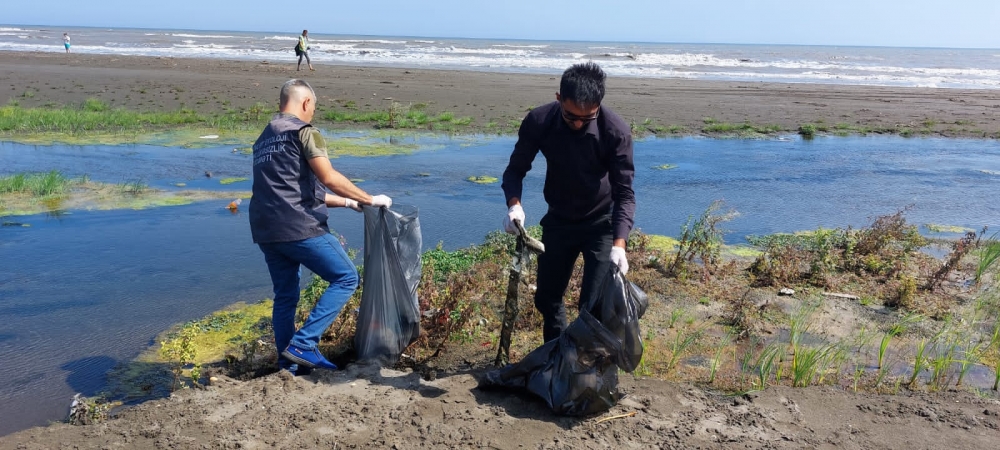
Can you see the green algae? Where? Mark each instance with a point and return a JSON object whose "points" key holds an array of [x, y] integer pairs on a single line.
{"points": [[938, 228], [662, 243], [483, 179], [89, 195], [232, 180]]}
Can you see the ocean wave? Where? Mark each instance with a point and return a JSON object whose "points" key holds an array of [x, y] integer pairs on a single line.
{"points": [[191, 44], [521, 46], [799, 65], [609, 56], [371, 41], [208, 36], [14, 29]]}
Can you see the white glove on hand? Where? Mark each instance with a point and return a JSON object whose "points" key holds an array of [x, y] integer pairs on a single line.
{"points": [[348, 203], [514, 212], [618, 257], [381, 200]]}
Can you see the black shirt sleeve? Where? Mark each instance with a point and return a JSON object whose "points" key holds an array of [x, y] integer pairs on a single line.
{"points": [[525, 150], [621, 173]]}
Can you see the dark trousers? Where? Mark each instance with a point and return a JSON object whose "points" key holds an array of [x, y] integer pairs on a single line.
{"points": [[564, 242]]}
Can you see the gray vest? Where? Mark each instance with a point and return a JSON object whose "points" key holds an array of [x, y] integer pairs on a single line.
{"points": [[288, 201]]}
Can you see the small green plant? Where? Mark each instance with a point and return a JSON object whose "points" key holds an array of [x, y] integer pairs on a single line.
{"points": [[683, 340], [95, 105], [959, 249], [895, 330], [768, 361], [807, 130], [799, 323], [940, 366], [39, 184], [89, 410], [992, 350], [133, 187], [717, 359], [807, 362], [179, 351], [701, 239], [970, 357], [989, 254]]}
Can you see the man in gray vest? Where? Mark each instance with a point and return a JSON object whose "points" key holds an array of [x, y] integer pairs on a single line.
{"points": [[288, 220]]}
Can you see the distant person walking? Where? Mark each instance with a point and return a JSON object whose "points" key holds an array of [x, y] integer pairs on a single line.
{"points": [[302, 49], [66, 41]]}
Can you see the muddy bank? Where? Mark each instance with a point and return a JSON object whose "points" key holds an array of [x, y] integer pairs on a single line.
{"points": [[355, 409]]}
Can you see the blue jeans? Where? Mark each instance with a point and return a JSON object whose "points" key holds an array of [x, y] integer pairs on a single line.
{"points": [[325, 257]]}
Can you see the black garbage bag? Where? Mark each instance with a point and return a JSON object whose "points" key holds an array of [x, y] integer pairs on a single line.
{"points": [[389, 317], [618, 309], [577, 374]]}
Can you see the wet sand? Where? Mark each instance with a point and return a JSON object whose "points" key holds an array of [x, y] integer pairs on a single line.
{"points": [[210, 85]]}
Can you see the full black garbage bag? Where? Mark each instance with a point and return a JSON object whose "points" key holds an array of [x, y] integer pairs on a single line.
{"points": [[577, 374], [618, 309], [389, 316]]}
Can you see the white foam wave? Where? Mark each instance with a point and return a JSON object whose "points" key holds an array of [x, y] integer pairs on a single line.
{"points": [[520, 46], [214, 46], [371, 41], [513, 57], [208, 36], [14, 29]]}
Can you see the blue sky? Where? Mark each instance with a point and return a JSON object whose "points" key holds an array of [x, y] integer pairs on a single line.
{"points": [[913, 23]]}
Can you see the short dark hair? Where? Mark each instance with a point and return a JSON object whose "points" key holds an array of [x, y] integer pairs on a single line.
{"points": [[291, 88], [583, 84]]}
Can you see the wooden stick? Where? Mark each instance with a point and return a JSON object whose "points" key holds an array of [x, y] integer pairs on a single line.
{"points": [[620, 416]]}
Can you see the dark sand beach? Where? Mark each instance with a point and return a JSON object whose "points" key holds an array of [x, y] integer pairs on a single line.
{"points": [[211, 85], [389, 409]]}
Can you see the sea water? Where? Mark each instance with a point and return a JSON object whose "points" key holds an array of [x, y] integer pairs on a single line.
{"points": [[81, 291]]}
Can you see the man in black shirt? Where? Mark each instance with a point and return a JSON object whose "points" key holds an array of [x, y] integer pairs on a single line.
{"points": [[588, 189]]}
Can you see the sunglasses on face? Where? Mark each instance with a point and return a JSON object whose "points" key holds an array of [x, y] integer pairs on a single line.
{"points": [[575, 118]]}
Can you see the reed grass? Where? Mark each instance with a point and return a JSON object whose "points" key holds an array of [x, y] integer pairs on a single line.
{"points": [[717, 360], [399, 116], [988, 255], [805, 364], [683, 340], [38, 184]]}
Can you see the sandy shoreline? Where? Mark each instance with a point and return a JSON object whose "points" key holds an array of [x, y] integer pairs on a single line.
{"points": [[212, 85], [360, 408]]}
